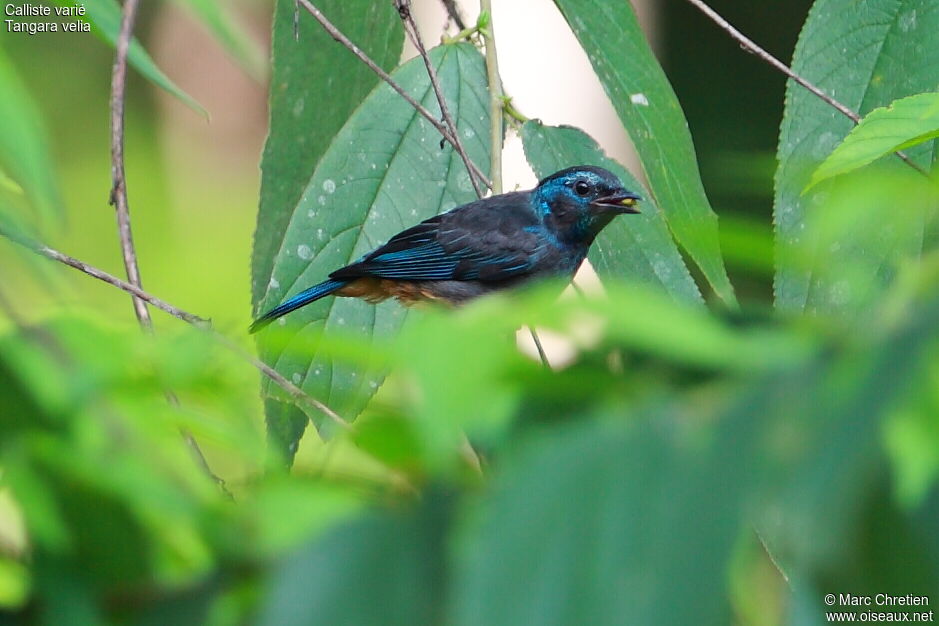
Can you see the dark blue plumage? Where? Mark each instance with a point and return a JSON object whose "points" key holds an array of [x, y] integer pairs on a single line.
{"points": [[483, 246]]}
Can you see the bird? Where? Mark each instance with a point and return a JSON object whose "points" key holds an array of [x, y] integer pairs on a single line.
{"points": [[483, 246]]}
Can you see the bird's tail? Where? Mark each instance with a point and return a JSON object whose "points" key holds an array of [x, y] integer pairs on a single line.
{"points": [[301, 299]]}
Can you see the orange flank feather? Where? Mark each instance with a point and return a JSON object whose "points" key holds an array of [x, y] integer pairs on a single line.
{"points": [[374, 290]]}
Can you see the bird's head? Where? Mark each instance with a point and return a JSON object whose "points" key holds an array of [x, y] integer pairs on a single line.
{"points": [[578, 202]]}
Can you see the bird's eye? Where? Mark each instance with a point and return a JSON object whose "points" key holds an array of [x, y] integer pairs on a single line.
{"points": [[581, 188]]}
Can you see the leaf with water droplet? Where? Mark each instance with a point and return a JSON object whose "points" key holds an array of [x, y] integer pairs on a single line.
{"points": [[365, 207], [884, 50]]}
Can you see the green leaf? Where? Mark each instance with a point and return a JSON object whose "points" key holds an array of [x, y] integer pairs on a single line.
{"points": [[595, 525], [904, 123], [384, 171], [105, 17], [636, 247], [24, 146], [384, 568], [315, 86], [230, 34], [645, 102], [858, 235], [866, 55]]}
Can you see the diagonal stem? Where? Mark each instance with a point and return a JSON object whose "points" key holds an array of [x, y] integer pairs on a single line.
{"points": [[190, 318], [750, 46], [404, 11], [336, 34]]}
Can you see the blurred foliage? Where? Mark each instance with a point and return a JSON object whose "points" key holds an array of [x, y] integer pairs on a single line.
{"points": [[688, 466]]}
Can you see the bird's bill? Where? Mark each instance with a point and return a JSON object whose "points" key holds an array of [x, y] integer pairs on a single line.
{"points": [[622, 202]]}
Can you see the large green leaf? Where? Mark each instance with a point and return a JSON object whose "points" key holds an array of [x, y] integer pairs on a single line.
{"points": [[384, 171], [596, 525], [105, 16], [865, 54], [315, 85], [380, 569], [905, 123], [861, 232], [637, 248], [645, 102], [24, 146]]}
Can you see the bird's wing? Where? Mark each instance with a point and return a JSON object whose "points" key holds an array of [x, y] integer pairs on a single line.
{"points": [[480, 241]]}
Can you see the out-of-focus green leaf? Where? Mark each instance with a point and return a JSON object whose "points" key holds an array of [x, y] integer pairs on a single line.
{"points": [[8, 184], [594, 525], [635, 247], [380, 569], [911, 436], [865, 55], [24, 146], [315, 85], [645, 102], [230, 34], [105, 17], [864, 227], [384, 171], [904, 123]]}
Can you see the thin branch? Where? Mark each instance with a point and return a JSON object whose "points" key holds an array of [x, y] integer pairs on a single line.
{"points": [[541, 353], [189, 318], [336, 34], [295, 392], [453, 11], [94, 272], [118, 196], [118, 199], [496, 99], [404, 11], [750, 46]]}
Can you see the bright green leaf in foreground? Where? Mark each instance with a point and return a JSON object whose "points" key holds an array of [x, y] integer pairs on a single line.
{"points": [[105, 16], [384, 171], [904, 123], [632, 247], [645, 102], [866, 55]]}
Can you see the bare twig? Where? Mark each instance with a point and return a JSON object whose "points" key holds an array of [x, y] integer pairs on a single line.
{"points": [[496, 100], [454, 12], [118, 196], [404, 10], [295, 392], [541, 353], [94, 272], [336, 34], [118, 199], [189, 318], [750, 46]]}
